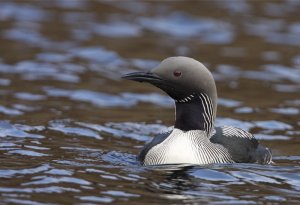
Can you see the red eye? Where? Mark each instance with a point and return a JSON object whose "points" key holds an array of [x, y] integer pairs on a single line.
{"points": [[177, 73]]}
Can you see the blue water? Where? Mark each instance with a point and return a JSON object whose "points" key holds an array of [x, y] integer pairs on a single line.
{"points": [[70, 127]]}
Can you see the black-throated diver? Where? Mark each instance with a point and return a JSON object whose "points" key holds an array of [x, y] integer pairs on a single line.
{"points": [[194, 139]]}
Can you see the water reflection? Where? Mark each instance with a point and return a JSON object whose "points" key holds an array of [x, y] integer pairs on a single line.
{"points": [[70, 130]]}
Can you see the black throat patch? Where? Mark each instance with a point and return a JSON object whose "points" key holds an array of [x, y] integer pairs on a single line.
{"points": [[194, 112]]}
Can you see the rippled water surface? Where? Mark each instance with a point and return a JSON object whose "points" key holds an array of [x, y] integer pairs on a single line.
{"points": [[70, 128]]}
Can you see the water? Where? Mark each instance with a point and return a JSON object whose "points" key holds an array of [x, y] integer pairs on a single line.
{"points": [[70, 128]]}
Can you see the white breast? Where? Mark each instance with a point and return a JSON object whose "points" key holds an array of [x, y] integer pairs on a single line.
{"points": [[192, 147], [179, 149]]}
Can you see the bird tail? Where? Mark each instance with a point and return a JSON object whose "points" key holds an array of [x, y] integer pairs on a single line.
{"points": [[264, 155]]}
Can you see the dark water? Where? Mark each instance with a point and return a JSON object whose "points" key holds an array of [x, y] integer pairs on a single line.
{"points": [[70, 128]]}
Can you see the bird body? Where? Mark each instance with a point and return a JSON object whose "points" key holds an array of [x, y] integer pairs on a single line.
{"points": [[191, 147], [194, 139]]}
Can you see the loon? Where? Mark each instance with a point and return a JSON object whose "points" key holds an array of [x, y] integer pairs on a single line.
{"points": [[194, 139]]}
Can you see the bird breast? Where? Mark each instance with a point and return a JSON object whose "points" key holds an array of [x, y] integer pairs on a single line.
{"points": [[192, 147]]}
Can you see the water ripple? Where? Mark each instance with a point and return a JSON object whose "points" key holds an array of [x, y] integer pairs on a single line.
{"points": [[136, 131], [29, 96], [96, 98], [62, 127], [96, 54], [64, 103], [183, 25], [40, 180], [27, 153], [228, 102], [96, 199], [117, 29], [9, 130], [25, 12], [10, 111], [120, 193], [273, 125], [154, 98], [12, 173], [212, 175], [25, 202], [252, 177], [59, 172], [234, 122], [286, 111], [49, 189]]}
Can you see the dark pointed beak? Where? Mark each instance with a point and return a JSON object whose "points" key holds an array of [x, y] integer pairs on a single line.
{"points": [[143, 77], [155, 80]]}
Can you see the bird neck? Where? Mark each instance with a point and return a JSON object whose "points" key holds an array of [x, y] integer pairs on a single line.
{"points": [[195, 115]]}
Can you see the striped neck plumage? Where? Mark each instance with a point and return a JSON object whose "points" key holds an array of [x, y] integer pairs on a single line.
{"points": [[195, 112]]}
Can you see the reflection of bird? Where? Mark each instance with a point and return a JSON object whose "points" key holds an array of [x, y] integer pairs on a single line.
{"points": [[194, 139]]}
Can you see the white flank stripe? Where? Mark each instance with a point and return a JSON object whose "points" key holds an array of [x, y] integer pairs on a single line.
{"points": [[207, 111]]}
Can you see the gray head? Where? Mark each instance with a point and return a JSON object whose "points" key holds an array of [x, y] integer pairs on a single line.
{"points": [[190, 84]]}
